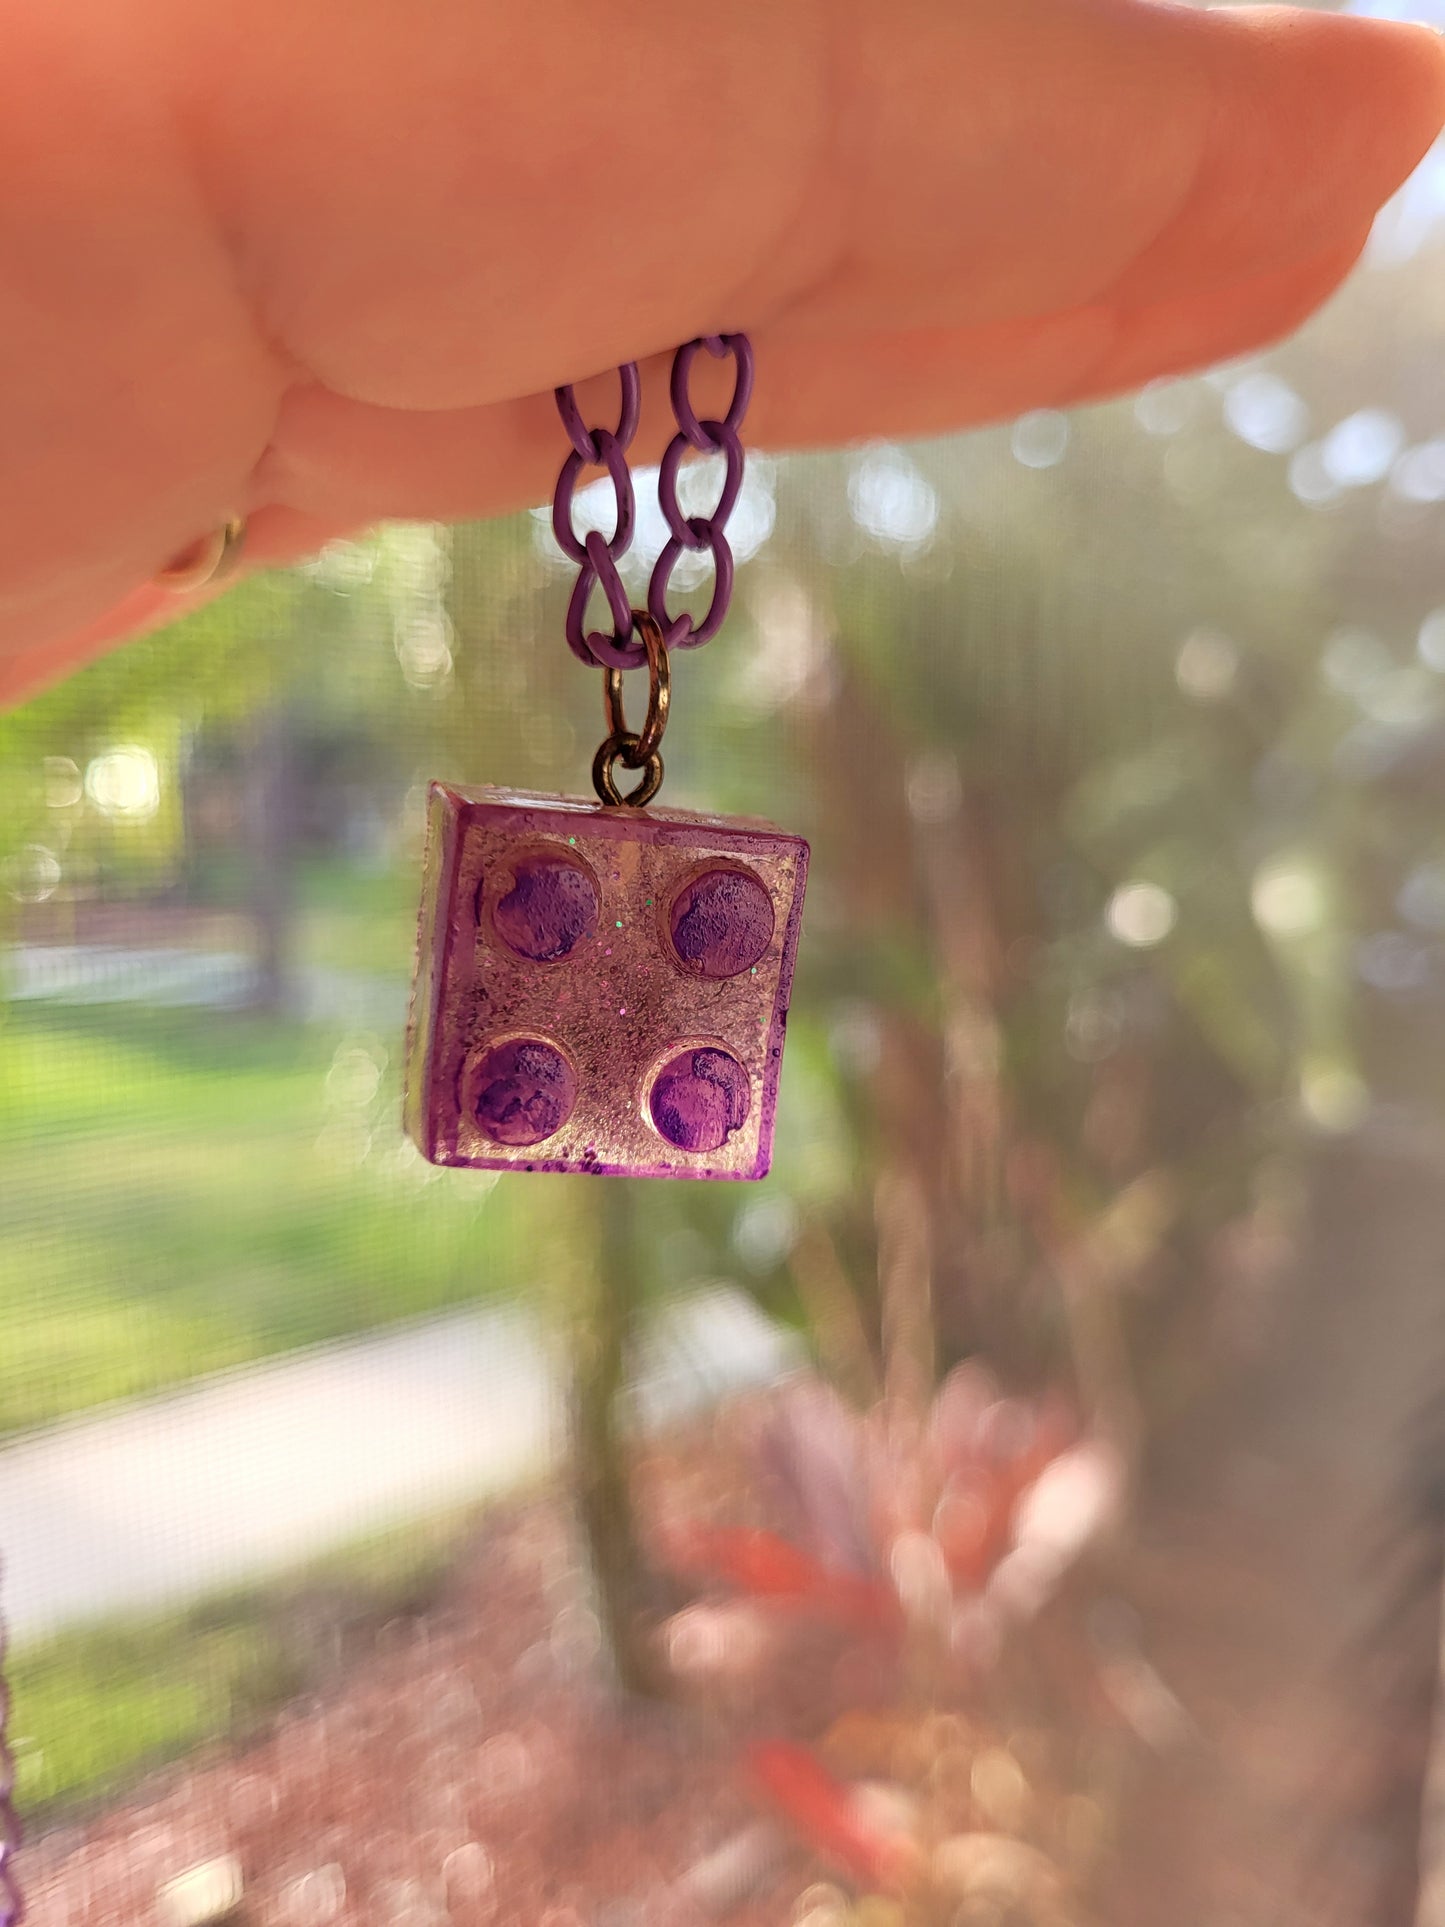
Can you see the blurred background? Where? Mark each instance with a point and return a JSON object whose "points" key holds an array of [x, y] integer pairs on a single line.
{"points": [[393, 1544]]}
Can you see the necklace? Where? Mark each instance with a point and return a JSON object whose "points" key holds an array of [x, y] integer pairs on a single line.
{"points": [[12, 1906], [603, 986], [600, 986]]}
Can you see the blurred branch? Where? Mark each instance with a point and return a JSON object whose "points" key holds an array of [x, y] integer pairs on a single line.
{"points": [[905, 1284], [1092, 1264], [834, 1317]]}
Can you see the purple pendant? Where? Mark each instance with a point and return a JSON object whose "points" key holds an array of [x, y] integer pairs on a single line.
{"points": [[600, 989]]}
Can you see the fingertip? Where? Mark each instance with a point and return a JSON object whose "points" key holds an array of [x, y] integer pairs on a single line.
{"points": [[1315, 120], [1389, 74], [1369, 93]]}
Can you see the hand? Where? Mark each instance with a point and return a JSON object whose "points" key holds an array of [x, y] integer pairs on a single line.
{"points": [[323, 266]]}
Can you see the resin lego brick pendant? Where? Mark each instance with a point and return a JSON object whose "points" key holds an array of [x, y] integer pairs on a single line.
{"points": [[600, 989]]}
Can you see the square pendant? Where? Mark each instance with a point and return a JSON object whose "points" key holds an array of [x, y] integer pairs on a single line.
{"points": [[600, 989]]}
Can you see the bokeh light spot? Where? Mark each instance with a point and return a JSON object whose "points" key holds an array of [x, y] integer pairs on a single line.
{"points": [[1141, 915], [1040, 439], [892, 501], [1265, 412], [1206, 666], [124, 783], [1288, 899], [1362, 448]]}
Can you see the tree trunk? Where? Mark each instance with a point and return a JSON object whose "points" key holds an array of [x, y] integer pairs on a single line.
{"points": [[601, 1347], [1288, 1574], [271, 829]]}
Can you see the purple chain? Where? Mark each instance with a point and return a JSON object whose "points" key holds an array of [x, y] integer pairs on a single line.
{"points": [[597, 555], [12, 1905]]}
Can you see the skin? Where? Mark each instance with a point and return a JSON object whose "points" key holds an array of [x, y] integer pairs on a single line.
{"points": [[323, 265]]}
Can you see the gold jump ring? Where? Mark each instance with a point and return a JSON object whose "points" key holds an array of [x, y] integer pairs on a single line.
{"points": [[659, 694], [622, 746], [210, 560]]}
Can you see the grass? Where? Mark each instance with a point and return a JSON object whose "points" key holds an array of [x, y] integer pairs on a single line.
{"points": [[115, 1700], [184, 1191], [354, 919]]}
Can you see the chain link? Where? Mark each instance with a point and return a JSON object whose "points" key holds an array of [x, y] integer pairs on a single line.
{"points": [[12, 1904], [581, 436], [598, 556]]}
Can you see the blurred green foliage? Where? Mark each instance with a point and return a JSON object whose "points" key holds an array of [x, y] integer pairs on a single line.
{"points": [[183, 1194], [96, 1704]]}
